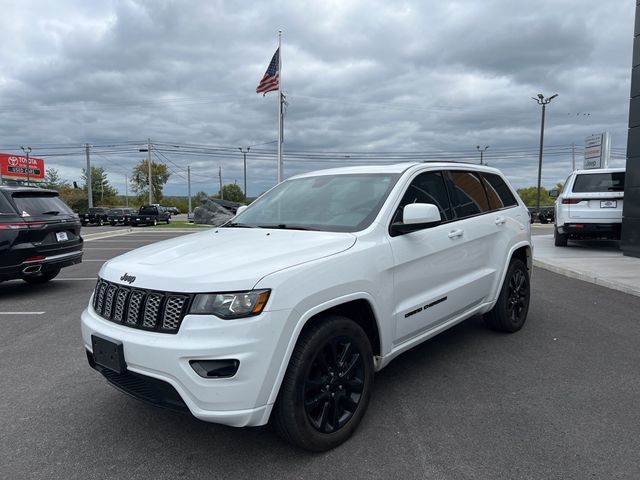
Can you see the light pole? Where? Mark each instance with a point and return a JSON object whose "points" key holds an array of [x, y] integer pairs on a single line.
{"points": [[27, 150], [148, 150], [244, 154], [482, 150], [544, 102]]}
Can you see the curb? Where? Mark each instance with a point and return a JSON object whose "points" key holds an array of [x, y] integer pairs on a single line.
{"points": [[567, 272]]}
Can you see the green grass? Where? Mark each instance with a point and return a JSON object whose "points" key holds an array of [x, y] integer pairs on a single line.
{"points": [[181, 225]]}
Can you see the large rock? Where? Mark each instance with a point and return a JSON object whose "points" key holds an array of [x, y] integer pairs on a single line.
{"points": [[214, 212]]}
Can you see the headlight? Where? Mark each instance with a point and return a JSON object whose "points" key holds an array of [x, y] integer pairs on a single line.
{"points": [[230, 305]]}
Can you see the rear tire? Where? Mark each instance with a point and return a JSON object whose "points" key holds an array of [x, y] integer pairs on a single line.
{"points": [[559, 239], [168, 220], [155, 222], [510, 311], [100, 222], [41, 277], [327, 386]]}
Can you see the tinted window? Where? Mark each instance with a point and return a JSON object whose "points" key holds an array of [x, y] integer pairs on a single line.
{"points": [[30, 204], [115, 211], [498, 192], [148, 211], [469, 197], [96, 210], [5, 206], [426, 188], [599, 182]]}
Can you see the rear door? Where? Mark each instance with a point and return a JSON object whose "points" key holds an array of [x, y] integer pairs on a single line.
{"points": [[597, 196]]}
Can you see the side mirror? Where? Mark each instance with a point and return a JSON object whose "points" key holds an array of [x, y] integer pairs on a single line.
{"points": [[554, 193], [417, 216], [241, 209]]}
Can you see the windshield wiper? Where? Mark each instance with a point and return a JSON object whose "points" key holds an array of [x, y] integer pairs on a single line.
{"points": [[51, 212], [284, 226], [239, 225]]}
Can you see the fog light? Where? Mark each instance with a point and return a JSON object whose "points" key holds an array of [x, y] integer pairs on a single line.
{"points": [[215, 368]]}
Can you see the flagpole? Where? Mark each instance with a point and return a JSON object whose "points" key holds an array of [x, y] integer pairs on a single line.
{"points": [[280, 107]]}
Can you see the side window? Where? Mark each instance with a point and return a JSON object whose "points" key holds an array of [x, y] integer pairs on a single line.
{"points": [[426, 188], [468, 196], [499, 194]]}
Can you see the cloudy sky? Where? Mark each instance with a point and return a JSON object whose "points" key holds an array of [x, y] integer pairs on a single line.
{"points": [[365, 81]]}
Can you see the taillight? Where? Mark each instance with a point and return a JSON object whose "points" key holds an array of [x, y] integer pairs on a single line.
{"points": [[571, 201], [21, 225], [13, 226]]}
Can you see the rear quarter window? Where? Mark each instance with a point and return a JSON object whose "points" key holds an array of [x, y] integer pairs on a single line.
{"points": [[469, 196], [499, 194], [5, 206]]}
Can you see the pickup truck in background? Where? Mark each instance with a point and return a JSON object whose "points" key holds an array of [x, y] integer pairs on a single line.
{"points": [[121, 216], [150, 215], [98, 216]]}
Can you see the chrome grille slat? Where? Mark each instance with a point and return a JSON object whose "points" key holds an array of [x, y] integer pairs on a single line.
{"points": [[108, 301], [151, 309], [121, 300], [173, 312], [137, 297], [138, 308]]}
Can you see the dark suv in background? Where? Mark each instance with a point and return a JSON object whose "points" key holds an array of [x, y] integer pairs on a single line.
{"points": [[39, 234]]}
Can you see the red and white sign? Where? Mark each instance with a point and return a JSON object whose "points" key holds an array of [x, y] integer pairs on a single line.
{"points": [[15, 167]]}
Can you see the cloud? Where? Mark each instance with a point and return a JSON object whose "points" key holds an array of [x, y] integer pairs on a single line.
{"points": [[359, 76]]}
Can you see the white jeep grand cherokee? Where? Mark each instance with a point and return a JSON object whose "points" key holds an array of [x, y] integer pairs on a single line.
{"points": [[286, 311]]}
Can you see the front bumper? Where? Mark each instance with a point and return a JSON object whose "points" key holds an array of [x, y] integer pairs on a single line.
{"points": [[591, 230], [241, 400]]}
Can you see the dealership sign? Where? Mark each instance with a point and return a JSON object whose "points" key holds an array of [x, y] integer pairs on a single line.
{"points": [[597, 149], [15, 167]]}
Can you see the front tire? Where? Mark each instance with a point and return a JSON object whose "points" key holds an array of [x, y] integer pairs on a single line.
{"points": [[327, 386], [155, 222], [510, 311]]}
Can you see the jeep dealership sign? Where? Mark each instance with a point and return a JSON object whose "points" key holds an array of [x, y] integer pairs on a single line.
{"points": [[597, 149], [15, 167]]}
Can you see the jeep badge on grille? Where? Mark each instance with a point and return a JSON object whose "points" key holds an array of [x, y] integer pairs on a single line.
{"points": [[128, 278]]}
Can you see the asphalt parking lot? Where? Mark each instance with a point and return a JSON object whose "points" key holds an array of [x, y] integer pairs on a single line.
{"points": [[557, 400]]}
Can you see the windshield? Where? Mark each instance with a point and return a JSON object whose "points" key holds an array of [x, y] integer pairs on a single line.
{"points": [[115, 211], [334, 203], [599, 182], [148, 211], [37, 204], [96, 210]]}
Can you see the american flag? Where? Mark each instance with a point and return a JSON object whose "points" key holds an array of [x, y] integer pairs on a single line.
{"points": [[271, 78]]}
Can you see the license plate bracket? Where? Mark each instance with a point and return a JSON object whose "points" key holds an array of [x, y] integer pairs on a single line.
{"points": [[62, 236], [108, 353], [608, 204]]}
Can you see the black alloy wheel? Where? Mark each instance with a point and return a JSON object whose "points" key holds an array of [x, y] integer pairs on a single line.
{"points": [[510, 311], [327, 386], [334, 384]]}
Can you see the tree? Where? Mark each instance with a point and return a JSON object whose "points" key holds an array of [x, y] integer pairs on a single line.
{"points": [[102, 192], [76, 198], [140, 180], [53, 180], [529, 196], [233, 193]]}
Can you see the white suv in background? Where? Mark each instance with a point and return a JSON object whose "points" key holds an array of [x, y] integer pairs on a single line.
{"points": [[286, 311], [589, 206]]}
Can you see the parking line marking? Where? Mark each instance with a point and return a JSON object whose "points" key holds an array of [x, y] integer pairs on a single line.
{"points": [[21, 313]]}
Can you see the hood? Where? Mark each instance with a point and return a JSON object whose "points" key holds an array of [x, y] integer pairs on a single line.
{"points": [[223, 259]]}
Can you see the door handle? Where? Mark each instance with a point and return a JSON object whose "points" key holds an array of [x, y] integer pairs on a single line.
{"points": [[500, 220], [456, 233]]}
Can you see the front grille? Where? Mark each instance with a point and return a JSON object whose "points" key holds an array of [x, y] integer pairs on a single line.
{"points": [[138, 308]]}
